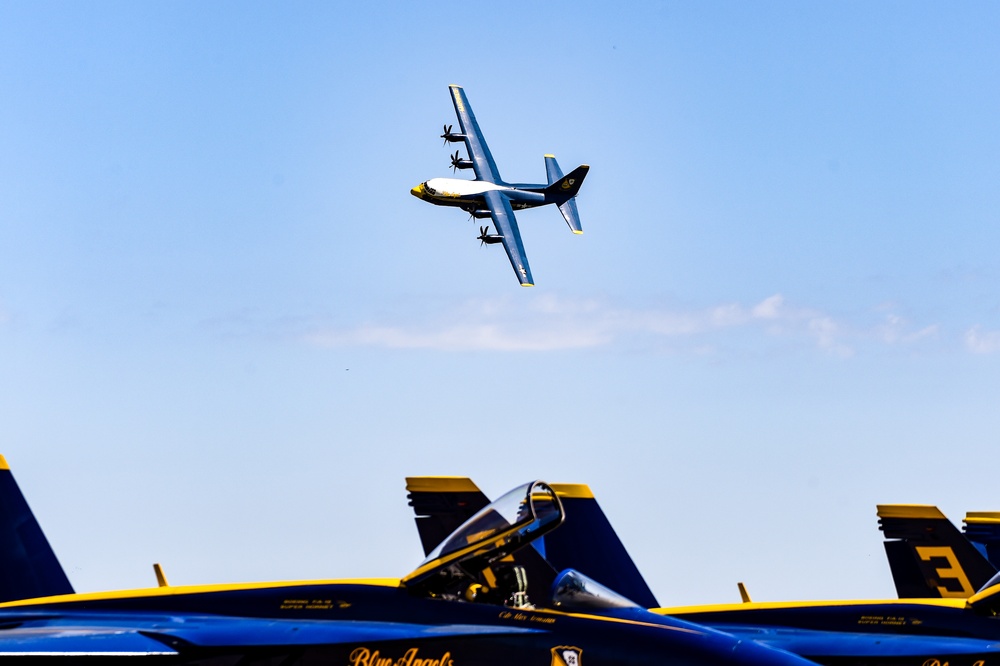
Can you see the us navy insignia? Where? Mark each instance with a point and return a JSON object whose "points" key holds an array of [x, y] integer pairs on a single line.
{"points": [[567, 655]]}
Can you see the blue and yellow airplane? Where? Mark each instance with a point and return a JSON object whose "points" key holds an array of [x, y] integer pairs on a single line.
{"points": [[467, 604], [489, 196], [917, 632]]}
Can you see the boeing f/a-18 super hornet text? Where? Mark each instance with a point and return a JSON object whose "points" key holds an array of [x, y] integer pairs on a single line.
{"points": [[467, 604], [488, 196]]}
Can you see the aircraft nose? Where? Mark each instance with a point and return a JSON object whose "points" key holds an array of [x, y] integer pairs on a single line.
{"points": [[418, 191]]}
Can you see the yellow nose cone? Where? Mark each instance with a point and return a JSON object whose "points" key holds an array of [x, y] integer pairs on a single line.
{"points": [[418, 191]]}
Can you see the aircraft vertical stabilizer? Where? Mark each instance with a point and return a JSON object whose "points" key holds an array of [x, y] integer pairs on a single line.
{"points": [[982, 528], [587, 542], [928, 556], [28, 567], [440, 504]]}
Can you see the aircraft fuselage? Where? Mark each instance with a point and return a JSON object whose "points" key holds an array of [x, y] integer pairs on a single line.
{"points": [[468, 194], [358, 623]]}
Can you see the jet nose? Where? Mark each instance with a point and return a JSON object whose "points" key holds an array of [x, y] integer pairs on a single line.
{"points": [[418, 191]]}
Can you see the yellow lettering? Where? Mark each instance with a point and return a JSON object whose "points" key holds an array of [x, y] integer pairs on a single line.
{"points": [[407, 658], [361, 656], [954, 571]]}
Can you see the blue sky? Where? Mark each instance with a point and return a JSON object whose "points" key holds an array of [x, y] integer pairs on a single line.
{"points": [[228, 331]]}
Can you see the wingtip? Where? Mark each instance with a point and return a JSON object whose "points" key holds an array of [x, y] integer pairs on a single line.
{"points": [[3, 463], [578, 232], [527, 284]]}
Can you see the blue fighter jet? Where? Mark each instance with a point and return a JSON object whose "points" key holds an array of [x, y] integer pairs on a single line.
{"points": [[467, 604], [488, 196], [904, 632]]}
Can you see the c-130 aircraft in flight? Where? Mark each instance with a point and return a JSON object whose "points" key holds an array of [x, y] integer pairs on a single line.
{"points": [[490, 196]]}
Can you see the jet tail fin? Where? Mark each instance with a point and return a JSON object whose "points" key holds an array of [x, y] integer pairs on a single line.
{"points": [[928, 556], [587, 542], [568, 186], [982, 528], [441, 504], [28, 566]]}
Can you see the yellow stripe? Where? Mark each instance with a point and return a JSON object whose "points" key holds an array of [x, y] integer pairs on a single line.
{"points": [[984, 594], [462, 552], [909, 511], [3, 463], [982, 517], [440, 484], [193, 589], [572, 490], [552, 156], [765, 605], [605, 618]]}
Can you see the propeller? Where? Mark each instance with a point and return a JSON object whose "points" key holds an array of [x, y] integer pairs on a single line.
{"points": [[455, 160], [484, 233], [448, 136]]}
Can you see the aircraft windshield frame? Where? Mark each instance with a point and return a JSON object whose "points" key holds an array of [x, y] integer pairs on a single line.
{"points": [[497, 531], [516, 510]]}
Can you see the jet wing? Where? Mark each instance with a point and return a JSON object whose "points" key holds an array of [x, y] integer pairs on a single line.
{"points": [[827, 646], [87, 636], [506, 226], [479, 152]]}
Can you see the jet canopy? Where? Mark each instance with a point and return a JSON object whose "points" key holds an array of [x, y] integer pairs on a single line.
{"points": [[485, 559], [520, 515], [495, 532]]}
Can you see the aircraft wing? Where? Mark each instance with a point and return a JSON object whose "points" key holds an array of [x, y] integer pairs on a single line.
{"points": [[92, 636], [826, 646], [506, 226], [479, 152]]}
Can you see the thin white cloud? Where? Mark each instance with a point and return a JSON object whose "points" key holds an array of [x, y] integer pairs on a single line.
{"points": [[979, 341], [895, 329], [549, 323], [769, 308], [468, 337]]}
